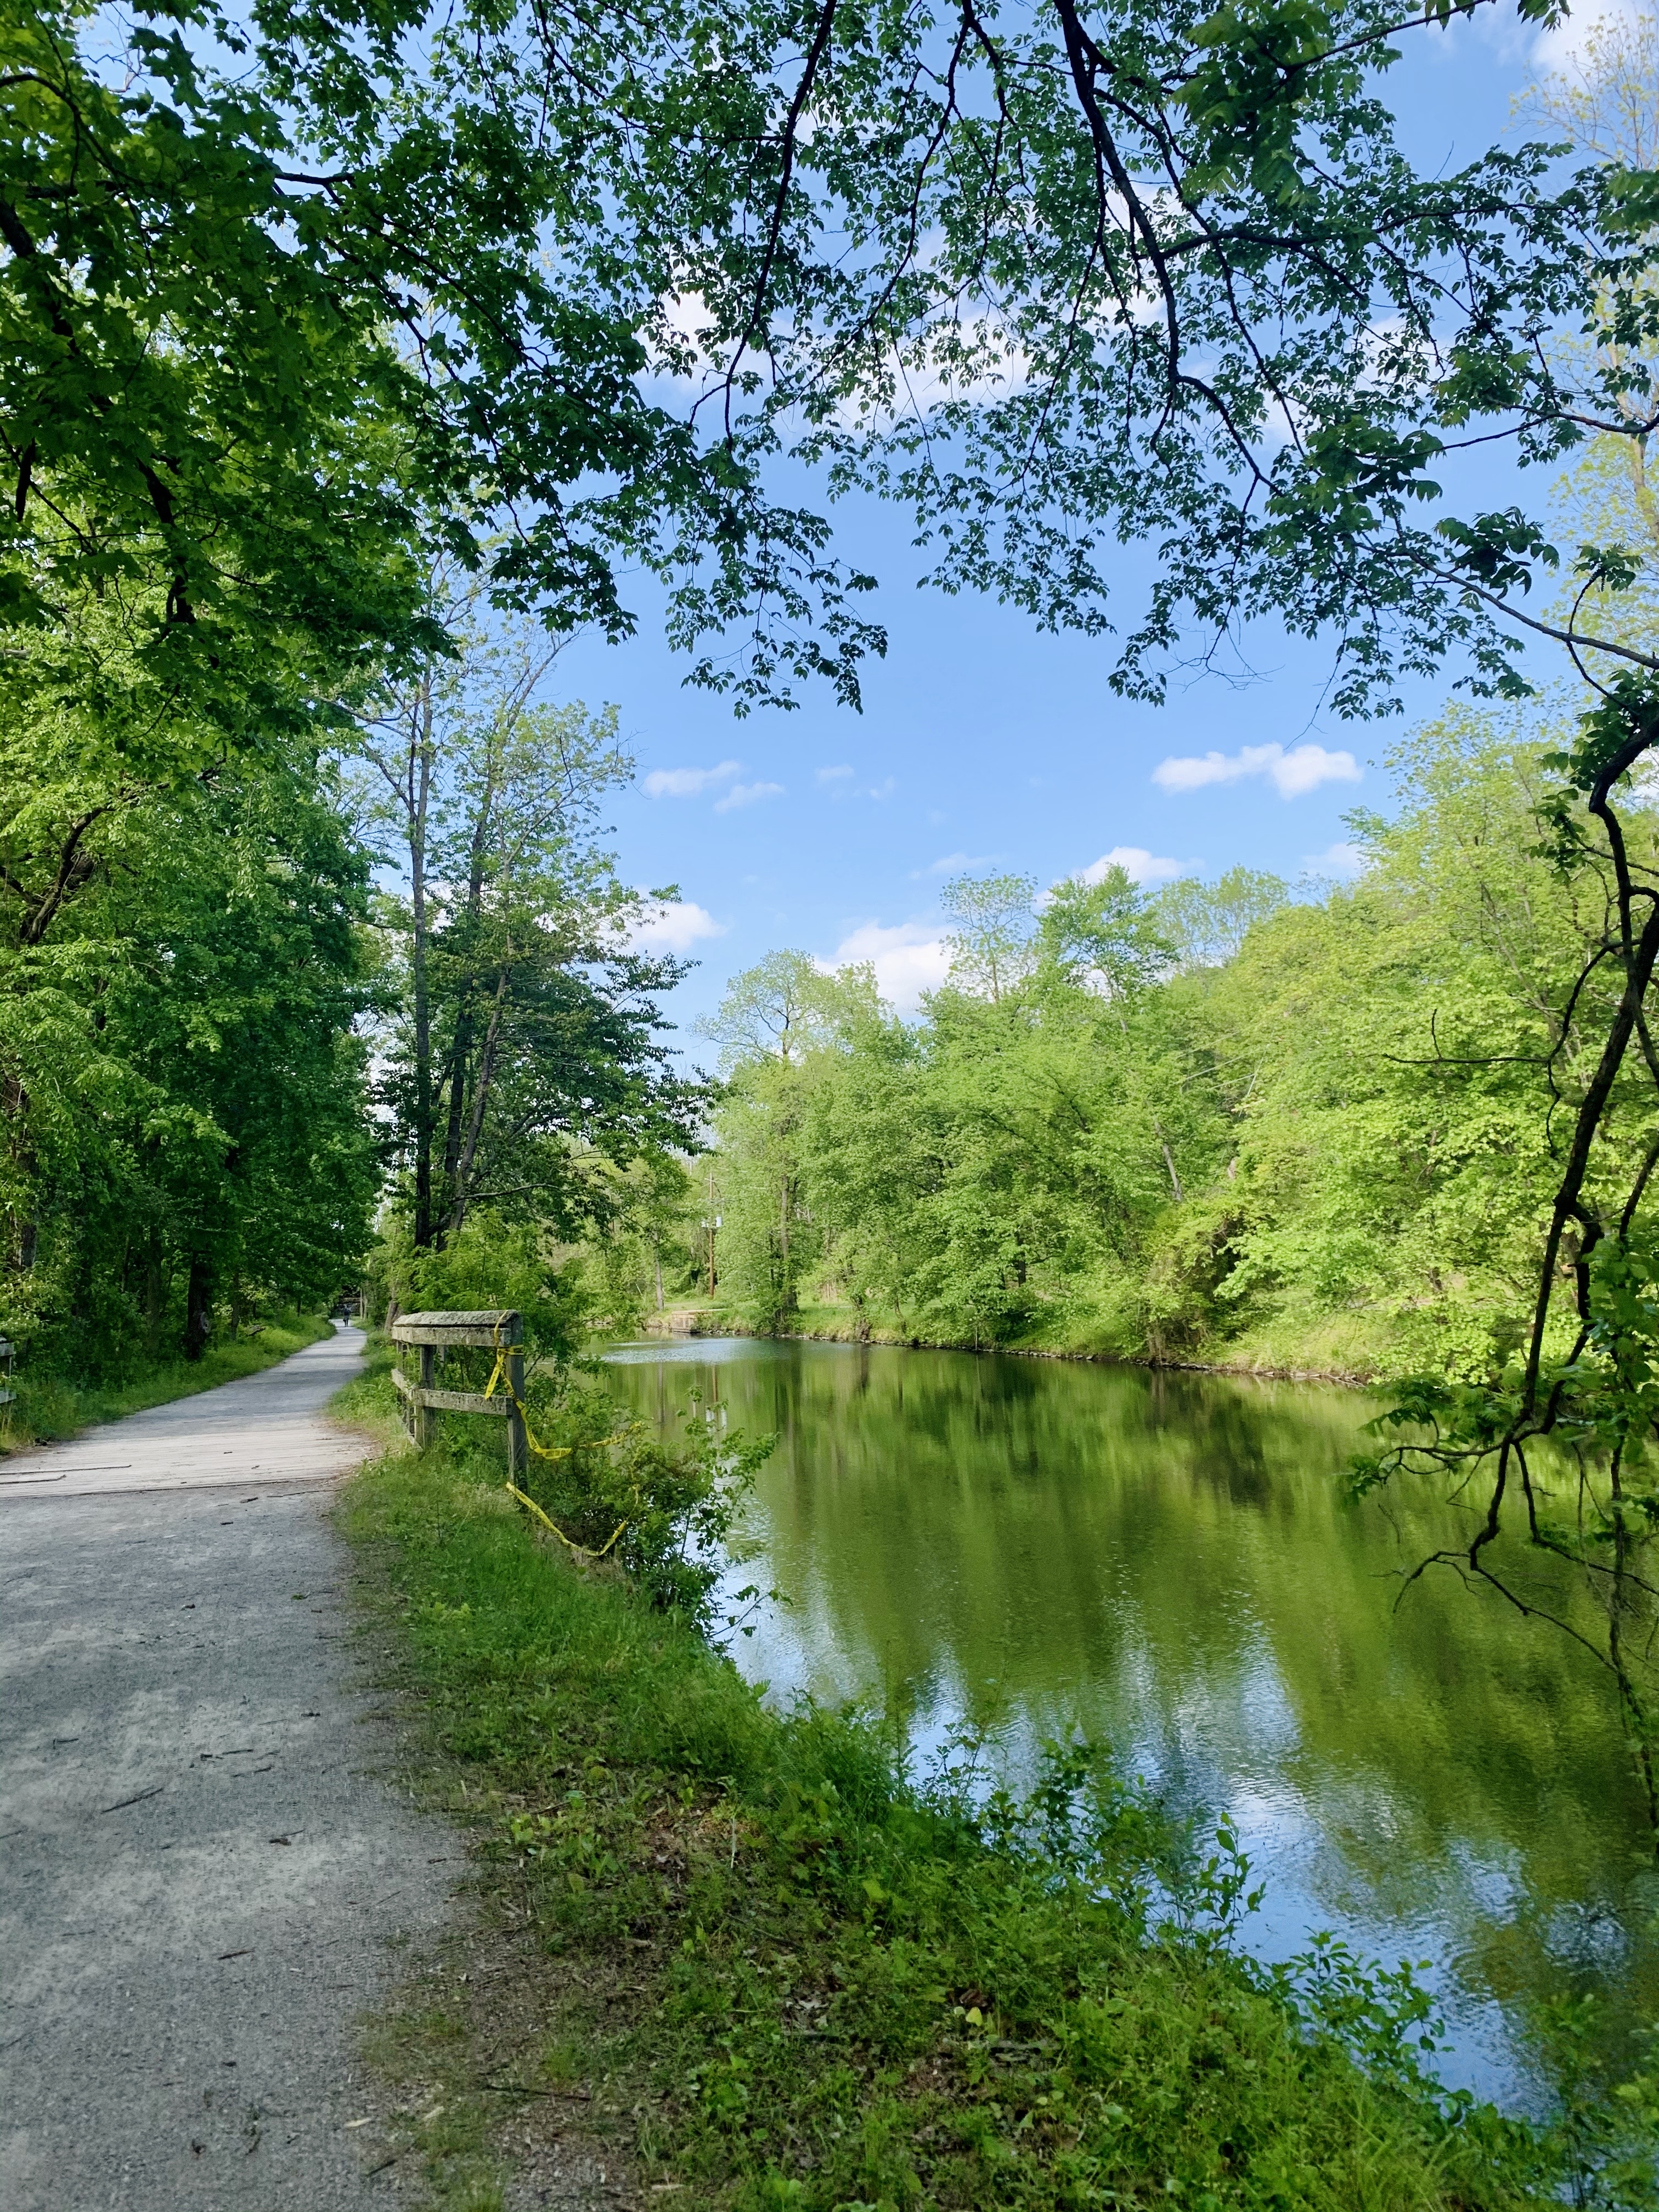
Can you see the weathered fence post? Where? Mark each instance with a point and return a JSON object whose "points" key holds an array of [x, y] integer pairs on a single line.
{"points": [[518, 1454], [429, 1334]]}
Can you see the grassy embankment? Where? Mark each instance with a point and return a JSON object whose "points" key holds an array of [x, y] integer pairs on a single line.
{"points": [[48, 1407], [737, 1961], [1356, 1348]]}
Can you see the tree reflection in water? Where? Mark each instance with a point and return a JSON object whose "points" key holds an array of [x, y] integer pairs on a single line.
{"points": [[1168, 1562]]}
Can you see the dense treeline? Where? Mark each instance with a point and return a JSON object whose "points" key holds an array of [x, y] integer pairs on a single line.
{"points": [[310, 1000], [283, 353], [182, 969], [1310, 1128]]}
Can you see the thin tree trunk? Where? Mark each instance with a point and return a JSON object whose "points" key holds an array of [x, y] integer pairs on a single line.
{"points": [[464, 1166], [785, 1288], [1158, 1126], [16, 1104], [198, 1307], [1168, 1162], [466, 1022], [420, 792], [460, 1057]]}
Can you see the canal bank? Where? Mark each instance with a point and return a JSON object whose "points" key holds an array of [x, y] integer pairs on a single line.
{"points": [[1354, 1353], [758, 1964]]}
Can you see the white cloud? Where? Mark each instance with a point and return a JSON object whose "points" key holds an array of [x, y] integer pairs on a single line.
{"points": [[745, 794], [674, 925], [1341, 858], [687, 782], [953, 864], [909, 958], [1303, 769], [1139, 865], [1566, 47], [839, 781]]}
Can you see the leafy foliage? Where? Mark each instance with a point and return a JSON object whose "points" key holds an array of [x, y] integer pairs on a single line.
{"points": [[185, 1099], [524, 1061], [949, 1180], [296, 300]]}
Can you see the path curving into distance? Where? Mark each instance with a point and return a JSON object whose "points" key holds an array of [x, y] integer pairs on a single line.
{"points": [[202, 1868], [271, 1424]]}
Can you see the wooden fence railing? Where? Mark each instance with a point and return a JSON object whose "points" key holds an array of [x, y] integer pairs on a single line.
{"points": [[430, 1334]]}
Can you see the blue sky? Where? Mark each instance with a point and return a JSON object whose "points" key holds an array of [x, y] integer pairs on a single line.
{"points": [[984, 745]]}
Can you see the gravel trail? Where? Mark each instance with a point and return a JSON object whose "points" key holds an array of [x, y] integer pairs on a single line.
{"points": [[271, 1426], [204, 1874]]}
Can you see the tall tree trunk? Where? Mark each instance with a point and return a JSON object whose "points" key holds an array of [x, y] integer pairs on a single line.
{"points": [[786, 1286], [460, 1061], [420, 793], [15, 1101], [481, 1088], [460, 1056], [198, 1307]]}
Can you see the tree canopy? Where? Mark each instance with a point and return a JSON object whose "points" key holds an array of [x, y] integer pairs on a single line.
{"points": [[294, 300]]}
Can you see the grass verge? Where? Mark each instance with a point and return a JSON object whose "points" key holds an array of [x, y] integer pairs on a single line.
{"points": [[732, 1960], [48, 1407]]}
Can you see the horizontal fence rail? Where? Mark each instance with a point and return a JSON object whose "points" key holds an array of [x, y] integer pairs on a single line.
{"points": [[427, 1335]]}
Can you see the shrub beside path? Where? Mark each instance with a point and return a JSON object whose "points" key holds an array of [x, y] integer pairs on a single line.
{"points": [[201, 1874]]}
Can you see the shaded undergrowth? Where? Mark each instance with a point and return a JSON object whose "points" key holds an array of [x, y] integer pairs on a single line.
{"points": [[779, 1972]]}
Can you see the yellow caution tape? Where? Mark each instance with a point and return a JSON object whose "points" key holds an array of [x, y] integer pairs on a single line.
{"points": [[513, 1491], [542, 1451], [500, 1375]]}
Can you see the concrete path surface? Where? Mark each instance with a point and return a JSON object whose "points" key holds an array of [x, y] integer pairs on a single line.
{"points": [[269, 1424], [202, 1876]]}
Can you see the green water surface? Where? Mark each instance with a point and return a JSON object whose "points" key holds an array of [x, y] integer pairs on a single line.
{"points": [[1168, 1562]]}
